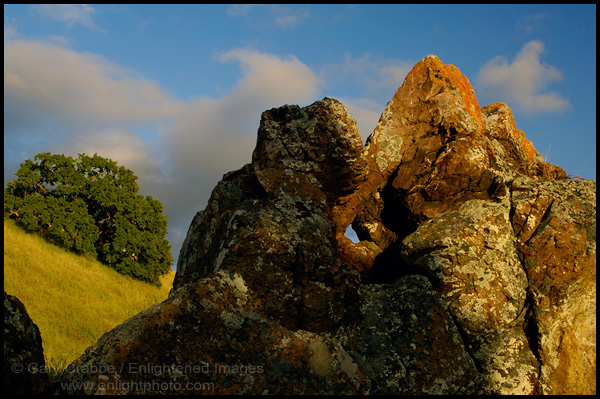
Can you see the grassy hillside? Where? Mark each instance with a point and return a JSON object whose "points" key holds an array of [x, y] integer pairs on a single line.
{"points": [[72, 299]]}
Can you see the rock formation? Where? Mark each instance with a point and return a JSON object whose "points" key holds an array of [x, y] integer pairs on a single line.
{"points": [[475, 272], [24, 364]]}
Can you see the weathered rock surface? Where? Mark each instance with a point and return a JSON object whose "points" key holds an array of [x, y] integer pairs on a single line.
{"points": [[475, 273], [24, 364], [212, 337], [271, 221], [407, 343], [471, 257], [556, 225]]}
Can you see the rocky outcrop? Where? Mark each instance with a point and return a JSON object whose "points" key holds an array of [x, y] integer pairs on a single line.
{"points": [[407, 343], [24, 364], [212, 337], [555, 222], [475, 272], [433, 149], [271, 221]]}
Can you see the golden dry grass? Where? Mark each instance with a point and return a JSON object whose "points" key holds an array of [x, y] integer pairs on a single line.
{"points": [[72, 299]]}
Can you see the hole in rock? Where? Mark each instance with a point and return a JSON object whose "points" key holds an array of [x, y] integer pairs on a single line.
{"points": [[351, 234], [398, 222], [389, 266]]}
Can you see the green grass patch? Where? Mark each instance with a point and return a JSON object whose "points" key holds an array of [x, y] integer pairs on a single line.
{"points": [[72, 299]]}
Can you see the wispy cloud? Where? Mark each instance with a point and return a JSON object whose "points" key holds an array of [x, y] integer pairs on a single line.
{"points": [[58, 81], [366, 112], [377, 76], [70, 14], [10, 28], [531, 23], [371, 72], [282, 17], [522, 81], [265, 75]]}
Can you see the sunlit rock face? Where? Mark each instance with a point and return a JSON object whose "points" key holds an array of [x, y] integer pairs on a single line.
{"points": [[475, 271]]}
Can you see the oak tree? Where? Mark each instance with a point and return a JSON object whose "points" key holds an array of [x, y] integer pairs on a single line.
{"points": [[90, 205]]}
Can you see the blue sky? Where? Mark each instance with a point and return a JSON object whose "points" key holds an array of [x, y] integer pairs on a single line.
{"points": [[175, 93]]}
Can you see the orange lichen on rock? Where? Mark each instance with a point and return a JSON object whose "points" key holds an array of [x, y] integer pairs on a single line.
{"points": [[528, 148], [465, 90], [450, 78]]}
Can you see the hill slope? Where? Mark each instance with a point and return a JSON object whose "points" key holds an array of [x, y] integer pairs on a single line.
{"points": [[72, 299]]}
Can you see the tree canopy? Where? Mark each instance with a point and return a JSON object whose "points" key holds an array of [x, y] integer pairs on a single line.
{"points": [[90, 205]]}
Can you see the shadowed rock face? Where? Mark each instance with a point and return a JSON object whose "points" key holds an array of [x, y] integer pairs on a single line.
{"points": [[475, 272], [23, 355], [272, 220]]}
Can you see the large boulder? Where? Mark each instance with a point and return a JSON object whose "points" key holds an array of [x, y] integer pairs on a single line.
{"points": [[24, 365], [555, 222], [211, 336], [470, 255], [433, 149], [272, 221], [475, 272]]}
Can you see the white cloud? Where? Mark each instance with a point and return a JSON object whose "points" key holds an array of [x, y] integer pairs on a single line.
{"points": [[375, 76], [273, 79], [370, 72], [236, 10], [522, 82], [56, 81], [287, 20], [59, 100], [271, 14], [215, 136], [70, 14], [119, 144], [366, 112]]}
